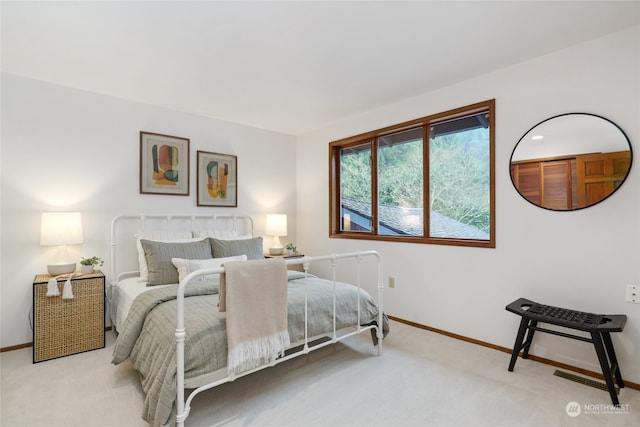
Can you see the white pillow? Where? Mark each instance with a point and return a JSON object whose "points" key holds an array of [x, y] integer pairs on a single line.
{"points": [[187, 266], [175, 237]]}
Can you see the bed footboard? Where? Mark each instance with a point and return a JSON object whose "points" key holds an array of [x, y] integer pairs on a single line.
{"points": [[337, 334]]}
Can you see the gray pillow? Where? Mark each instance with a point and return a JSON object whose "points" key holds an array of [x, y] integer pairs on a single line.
{"points": [[252, 248], [158, 256]]}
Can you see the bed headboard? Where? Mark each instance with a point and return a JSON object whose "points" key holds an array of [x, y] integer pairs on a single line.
{"points": [[126, 229]]}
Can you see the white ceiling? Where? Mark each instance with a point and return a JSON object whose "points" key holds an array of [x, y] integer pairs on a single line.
{"points": [[287, 66]]}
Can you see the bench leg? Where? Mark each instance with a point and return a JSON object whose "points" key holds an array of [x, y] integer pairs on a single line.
{"points": [[608, 345], [524, 323], [604, 364], [529, 340]]}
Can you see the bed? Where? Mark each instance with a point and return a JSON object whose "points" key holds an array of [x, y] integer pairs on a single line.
{"points": [[168, 313]]}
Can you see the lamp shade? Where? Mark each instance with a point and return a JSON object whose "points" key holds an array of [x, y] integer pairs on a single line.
{"points": [[276, 225], [60, 228]]}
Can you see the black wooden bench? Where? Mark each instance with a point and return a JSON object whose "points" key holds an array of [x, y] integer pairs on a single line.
{"points": [[598, 325]]}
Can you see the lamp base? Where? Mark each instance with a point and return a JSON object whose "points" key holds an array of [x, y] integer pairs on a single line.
{"points": [[58, 269], [275, 251]]}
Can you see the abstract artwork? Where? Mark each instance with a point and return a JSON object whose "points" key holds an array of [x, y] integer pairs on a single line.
{"points": [[217, 179], [164, 164]]}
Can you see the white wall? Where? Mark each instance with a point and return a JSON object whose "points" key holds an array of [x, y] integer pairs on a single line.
{"points": [[64, 149], [580, 260]]}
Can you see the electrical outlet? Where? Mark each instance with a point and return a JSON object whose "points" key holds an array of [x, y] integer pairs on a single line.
{"points": [[392, 282], [633, 294]]}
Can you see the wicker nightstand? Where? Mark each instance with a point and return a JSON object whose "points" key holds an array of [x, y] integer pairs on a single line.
{"points": [[67, 326]]}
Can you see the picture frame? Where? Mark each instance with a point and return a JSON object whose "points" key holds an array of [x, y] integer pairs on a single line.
{"points": [[217, 176], [164, 164]]}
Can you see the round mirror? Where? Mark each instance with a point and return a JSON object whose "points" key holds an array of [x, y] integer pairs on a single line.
{"points": [[571, 161]]}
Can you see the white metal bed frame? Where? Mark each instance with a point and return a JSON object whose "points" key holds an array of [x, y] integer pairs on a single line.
{"points": [[309, 343]]}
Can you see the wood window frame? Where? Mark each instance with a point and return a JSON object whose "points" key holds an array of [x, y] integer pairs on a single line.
{"points": [[335, 229]]}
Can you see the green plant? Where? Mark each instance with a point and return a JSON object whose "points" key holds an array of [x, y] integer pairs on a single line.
{"points": [[92, 261], [290, 247]]}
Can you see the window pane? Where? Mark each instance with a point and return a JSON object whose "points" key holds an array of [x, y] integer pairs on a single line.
{"points": [[400, 183], [460, 178], [355, 188]]}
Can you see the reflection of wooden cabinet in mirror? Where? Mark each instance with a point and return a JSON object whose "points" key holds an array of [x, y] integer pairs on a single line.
{"points": [[570, 182], [599, 175]]}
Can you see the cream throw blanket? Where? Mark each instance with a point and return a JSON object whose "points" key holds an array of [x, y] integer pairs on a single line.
{"points": [[254, 295]]}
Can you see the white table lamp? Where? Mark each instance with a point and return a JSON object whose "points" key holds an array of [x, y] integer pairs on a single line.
{"points": [[276, 227], [61, 229]]}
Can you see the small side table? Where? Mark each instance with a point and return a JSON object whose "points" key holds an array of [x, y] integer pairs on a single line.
{"points": [[598, 325], [62, 327], [294, 267]]}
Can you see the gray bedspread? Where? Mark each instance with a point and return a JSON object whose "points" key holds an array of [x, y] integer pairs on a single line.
{"points": [[148, 334]]}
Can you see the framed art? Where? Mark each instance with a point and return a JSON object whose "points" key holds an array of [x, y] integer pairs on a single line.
{"points": [[164, 164], [217, 179]]}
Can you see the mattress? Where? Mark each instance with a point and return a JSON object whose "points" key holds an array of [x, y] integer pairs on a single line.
{"points": [[122, 296]]}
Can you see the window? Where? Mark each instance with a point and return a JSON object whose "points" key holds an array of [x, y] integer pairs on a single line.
{"points": [[430, 180]]}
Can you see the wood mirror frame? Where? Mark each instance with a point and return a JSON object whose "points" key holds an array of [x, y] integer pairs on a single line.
{"points": [[571, 161]]}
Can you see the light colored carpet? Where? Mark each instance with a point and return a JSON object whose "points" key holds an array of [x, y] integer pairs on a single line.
{"points": [[421, 379]]}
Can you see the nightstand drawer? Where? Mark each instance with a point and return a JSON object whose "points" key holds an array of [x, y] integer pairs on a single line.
{"points": [[62, 327]]}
